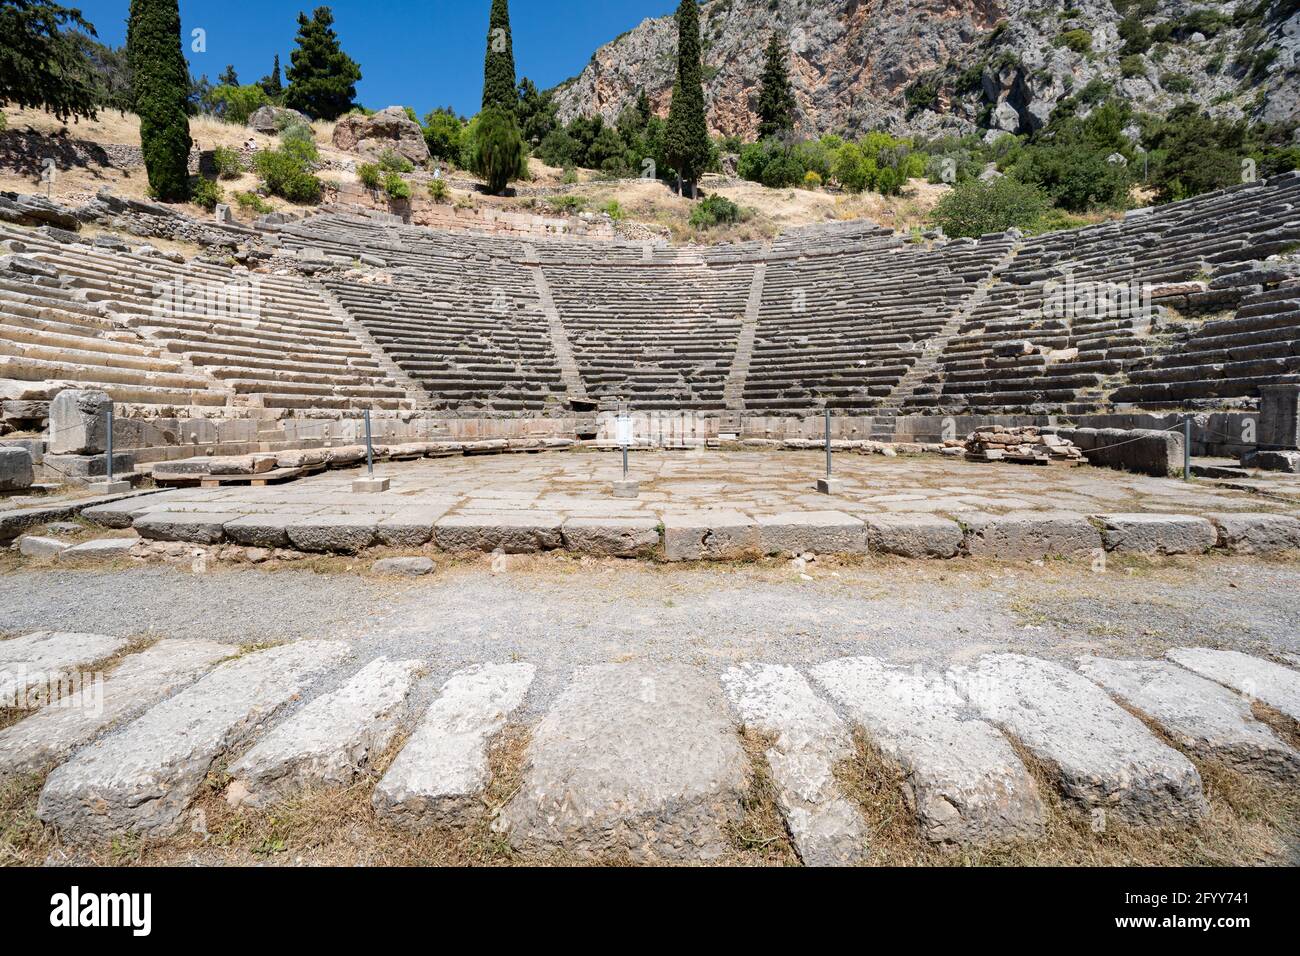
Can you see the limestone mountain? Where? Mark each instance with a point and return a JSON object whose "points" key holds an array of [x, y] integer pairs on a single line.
{"points": [[926, 66]]}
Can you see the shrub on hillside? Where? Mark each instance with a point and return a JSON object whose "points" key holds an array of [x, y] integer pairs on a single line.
{"points": [[235, 104], [1080, 41], [206, 193], [715, 211], [438, 190], [391, 161], [975, 208], [227, 163], [444, 134], [299, 139], [1075, 178], [252, 203], [396, 187], [284, 173], [368, 175]]}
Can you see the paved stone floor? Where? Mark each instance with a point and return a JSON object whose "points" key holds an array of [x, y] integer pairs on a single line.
{"points": [[754, 483]]}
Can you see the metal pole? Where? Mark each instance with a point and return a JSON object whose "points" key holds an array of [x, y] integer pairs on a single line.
{"points": [[1187, 448], [828, 443], [370, 452], [625, 462], [110, 444]]}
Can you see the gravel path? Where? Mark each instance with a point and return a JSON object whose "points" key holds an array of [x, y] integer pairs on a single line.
{"points": [[559, 613]]}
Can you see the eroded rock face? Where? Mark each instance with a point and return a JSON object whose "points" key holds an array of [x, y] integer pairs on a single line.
{"points": [[998, 63], [390, 128], [273, 119]]}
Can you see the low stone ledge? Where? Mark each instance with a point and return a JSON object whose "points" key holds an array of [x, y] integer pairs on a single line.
{"points": [[1256, 532], [523, 532], [333, 534], [1156, 534], [913, 535], [709, 536], [821, 532], [1021, 535], [261, 531], [612, 537], [192, 526]]}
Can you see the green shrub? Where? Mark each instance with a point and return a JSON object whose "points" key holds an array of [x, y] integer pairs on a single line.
{"points": [[252, 202], [227, 162], [444, 134], [567, 203], [974, 208], [396, 187], [1132, 66], [614, 210], [235, 104], [369, 175], [284, 174], [570, 176], [206, 193], [1176, 83], [438, 190], [391, 161], [715, 211], [300, 140], [811, 180], [1080, 41]]}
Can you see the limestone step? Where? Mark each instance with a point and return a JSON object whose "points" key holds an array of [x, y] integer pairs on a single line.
{"points": [[1257, 679], [809, 739], [143, 778], [967, 784], [1203, 717], [631, 760], [1101, 756], [444, 766], [31, 664], [330, 741], [140, 681]]}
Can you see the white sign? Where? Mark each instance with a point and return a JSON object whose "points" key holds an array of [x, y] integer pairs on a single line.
{"points": [[624, 431]]}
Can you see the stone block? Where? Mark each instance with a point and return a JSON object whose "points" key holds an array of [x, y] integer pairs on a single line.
{"points": [[822, 532], [409, 528], [710, 536], [101, 549], [913, 535], [333, 534], [1157, 534], [613, 537], [520, 532], [79, 422], [261, 531], [1023, 535], [1256, 533], [1279, 416], [33, 546], [78, 468], [194, 527], [407, 567], [15, 469]]}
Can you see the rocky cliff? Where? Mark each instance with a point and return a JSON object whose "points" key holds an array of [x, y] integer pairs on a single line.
{"points": [[925, 66]]}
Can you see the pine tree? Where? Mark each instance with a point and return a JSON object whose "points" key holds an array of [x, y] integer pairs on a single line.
{"points": [[322, 78], [42, 65], [228, 77], [499, 61], [776, 104], [271, 84], [161, 86], [686, 140]]}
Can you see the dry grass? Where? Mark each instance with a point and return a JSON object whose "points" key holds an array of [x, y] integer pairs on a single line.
{"points": [[760, 838], [1251, 822]]}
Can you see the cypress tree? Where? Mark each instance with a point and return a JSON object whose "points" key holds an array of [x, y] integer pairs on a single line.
{"points": [[160, 84], [42, 65], [686, 140], [499, 61], [322, 78], [776, 103], [271, 84]]}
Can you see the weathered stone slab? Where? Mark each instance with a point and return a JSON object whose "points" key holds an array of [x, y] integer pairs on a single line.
{"points": [[1201, 716], [261, 531], [15, 469], [1021, 535], [409, 528], [100, 549], [444, 766], [332, 534], [143, 777], [1102, 757], [329, 741], [195, 527], [1260, 680], [965, 783], [522, 532], [913, 535], [809, 740], [821, 532], [409, 567], [614, 537], [1256, 533], [141, 680], [34, 546], [1157, 534], [32, 665], [631, 760], [123, 512], [709, 535], [79, 422]]}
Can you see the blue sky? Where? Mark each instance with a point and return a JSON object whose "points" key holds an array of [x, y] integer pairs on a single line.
{"points": [[412, 53]]}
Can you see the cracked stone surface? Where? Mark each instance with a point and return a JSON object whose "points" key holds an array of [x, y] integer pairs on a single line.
{"points": [[1258, 679]]}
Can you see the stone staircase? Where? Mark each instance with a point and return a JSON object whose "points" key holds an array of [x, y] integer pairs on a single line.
{"points": [[733, 393]]}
